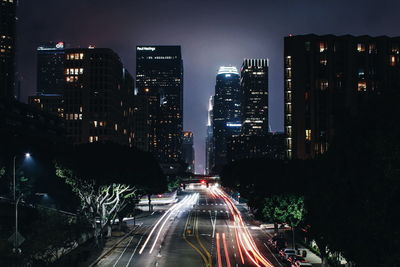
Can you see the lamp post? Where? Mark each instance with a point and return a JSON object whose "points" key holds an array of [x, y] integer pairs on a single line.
{"points": [[16, 201]]}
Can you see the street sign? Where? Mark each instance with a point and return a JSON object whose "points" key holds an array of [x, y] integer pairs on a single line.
{"points": [[20, 239]]}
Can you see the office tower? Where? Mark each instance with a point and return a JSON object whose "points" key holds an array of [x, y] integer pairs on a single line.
{"points": [[254, 86], [227, 119], [188, 150], [50, 68], [141, 122], [159, 76], [270, 146], [329, 77], [7, 48], [209, 138], [50, 78], [98, 97]]}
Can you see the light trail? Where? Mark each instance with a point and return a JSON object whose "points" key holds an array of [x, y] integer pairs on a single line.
{"points": [[184, 200], [246, 241], [192, 199], [218, 252], [228, 262]]}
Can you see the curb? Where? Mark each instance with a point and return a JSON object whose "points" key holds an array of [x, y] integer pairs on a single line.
{"points": [[113, 247]]}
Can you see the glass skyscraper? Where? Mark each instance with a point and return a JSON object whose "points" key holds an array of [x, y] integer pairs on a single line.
{"points": [[227, 111], [7, 47], [159, 77]]}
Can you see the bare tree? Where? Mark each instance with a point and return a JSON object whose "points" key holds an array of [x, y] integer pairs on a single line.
{"points": [[100, 204]]}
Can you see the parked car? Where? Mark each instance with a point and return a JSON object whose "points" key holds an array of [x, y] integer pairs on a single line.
{"points": [[286, 253], [296, 258]]}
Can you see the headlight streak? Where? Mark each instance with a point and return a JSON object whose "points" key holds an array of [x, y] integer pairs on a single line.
{"points": [[191, 200], [244, 239], [188, 200]]}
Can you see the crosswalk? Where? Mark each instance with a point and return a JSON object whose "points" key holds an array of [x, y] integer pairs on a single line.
{"points": [[211, 204], [220, 211]]}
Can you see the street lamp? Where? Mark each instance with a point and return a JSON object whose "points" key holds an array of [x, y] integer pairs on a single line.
{"points": [[27, 155]]}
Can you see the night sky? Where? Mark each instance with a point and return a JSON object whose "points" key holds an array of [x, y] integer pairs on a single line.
{"points": [[211, 32]]}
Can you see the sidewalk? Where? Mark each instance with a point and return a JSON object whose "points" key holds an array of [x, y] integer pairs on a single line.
{"points": [[87, 253]]}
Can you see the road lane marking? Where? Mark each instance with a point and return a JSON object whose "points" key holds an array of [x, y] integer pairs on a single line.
{"points": [[199, 240], [190, 243]]}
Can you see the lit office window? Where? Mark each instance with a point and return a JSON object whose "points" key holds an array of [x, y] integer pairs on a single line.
{"points": [[361, 47], [308, 134], [362, 86]]}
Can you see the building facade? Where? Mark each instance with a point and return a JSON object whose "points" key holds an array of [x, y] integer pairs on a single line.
{"points": [[227, 112], [188, 150], [7, 47], [270, 145], [209, 138], [254, 86], [159, 77], [327, 77], [50, 68], [98, 97]]}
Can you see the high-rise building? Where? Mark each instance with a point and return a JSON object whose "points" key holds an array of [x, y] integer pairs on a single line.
{"points": [[50, 68], [209, 138], [188, 150], [270, 145], [141, 122], [254, 86], [98, 97], [7, 47], [329, 76], [50, 78], [159, 77], [227, 113]]}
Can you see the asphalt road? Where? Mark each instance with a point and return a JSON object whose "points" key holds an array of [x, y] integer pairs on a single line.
{"points": [[205, 228]]}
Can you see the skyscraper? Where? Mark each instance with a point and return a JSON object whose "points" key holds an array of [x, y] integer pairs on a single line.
{"points": [[159, 76], [328, 77], [254, 86], [50, 78], [98, 97], [7, 48], [50, 68], [188, 150], [209, 138], [227, 113]]}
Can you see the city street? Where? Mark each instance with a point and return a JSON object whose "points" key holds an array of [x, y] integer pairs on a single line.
{"points": [[205, 228]]}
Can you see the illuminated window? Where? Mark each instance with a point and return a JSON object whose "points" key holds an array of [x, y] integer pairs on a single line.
{"points": [[308, 134], [395, 48], [289, 84], [323, 61], [288, 96], [372, 49], [323, 85], [361, 47], [288, 73], [322, 47], [393, 61], [288, 61], [362, 86], [289, 131]]}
